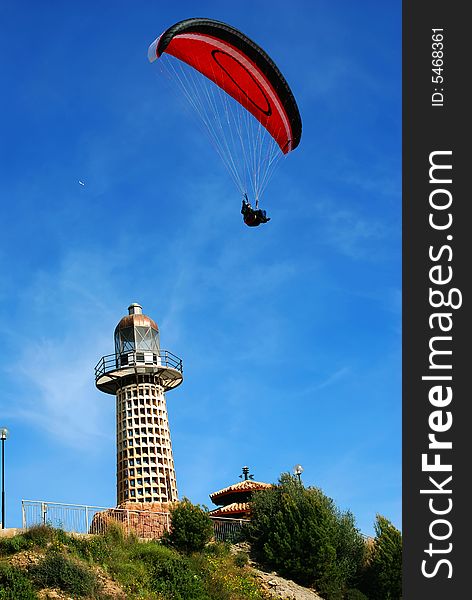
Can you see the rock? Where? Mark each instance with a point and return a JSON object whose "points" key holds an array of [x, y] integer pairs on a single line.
{"points": [[108, 586], [280, 588], [25, 559], [53, 594], [273, 585]]}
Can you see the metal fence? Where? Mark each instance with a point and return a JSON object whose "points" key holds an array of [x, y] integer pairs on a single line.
{"points": [[111, 362], [228, 530], [80, 518]]}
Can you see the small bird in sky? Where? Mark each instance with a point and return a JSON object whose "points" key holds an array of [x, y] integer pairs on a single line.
{"points": [[81, 182]]}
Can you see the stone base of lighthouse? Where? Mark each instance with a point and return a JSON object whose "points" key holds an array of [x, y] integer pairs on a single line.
{"points": [[145, 465], [147, 520]]}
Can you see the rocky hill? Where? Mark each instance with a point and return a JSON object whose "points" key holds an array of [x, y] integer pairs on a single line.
{"points": [[48, 564]]}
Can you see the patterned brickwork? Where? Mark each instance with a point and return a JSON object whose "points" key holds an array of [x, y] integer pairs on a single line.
{"points": [[145, 465]]}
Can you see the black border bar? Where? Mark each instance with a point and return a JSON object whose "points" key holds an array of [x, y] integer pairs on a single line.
{"points": [[437, 332]]}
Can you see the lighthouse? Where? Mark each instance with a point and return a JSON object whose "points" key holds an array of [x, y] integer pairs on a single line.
{"points": [[139, 374]]}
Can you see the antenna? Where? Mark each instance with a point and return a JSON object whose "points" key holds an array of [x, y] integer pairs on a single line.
{"points": [[246, 474]]}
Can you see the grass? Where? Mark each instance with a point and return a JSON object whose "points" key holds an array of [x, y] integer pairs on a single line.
{"points": [[143, 570]]}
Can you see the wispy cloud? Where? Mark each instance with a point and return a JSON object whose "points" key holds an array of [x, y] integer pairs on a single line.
{"points": [[329, 379], [352, 234], [58, 396], [333, 378], [349, 231], [56, 348]]}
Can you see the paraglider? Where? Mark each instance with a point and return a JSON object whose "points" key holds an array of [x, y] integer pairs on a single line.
{"points": [[241, 97], [253, 217]]}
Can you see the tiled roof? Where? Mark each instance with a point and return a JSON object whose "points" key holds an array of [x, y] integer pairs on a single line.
{"points": [[247, 485], [230, 509]]}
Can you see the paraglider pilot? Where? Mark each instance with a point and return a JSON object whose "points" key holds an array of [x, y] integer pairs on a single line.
{"points": [[253, 216]]}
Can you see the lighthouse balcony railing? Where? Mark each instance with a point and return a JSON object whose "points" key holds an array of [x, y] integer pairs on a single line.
{"points": [[112, 362]]}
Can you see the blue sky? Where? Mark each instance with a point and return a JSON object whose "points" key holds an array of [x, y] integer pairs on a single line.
{"points": [[290, 333]]}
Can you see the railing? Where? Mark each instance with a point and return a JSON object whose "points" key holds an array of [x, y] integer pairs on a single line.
{"points": [[228, 530], [79, 518], [112, 362]]}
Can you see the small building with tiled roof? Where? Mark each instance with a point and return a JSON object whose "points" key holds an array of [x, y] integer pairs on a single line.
{"points": [[233, 501]]}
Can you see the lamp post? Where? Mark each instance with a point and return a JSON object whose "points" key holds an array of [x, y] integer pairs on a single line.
{"points": [[298, 470], [3, 436]]}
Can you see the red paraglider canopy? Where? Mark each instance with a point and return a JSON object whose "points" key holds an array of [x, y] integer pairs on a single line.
{"points": [[241, 68]]}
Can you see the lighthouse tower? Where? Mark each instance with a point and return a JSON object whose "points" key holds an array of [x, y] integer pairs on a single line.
{"points": [[138, 374]]}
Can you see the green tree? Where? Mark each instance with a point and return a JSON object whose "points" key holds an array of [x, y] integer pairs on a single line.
{"points": [[355, 595], [191, 527], [302, 534], [383, 574]]}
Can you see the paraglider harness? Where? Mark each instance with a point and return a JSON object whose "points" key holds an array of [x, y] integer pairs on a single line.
{"points": [[253, 216]]}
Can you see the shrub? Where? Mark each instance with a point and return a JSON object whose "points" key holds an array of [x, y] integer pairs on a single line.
{"points": [[171, 574], [223, 579], [14, 584], [241, 559], [93, 549], [191, 527], [112, 543], [133, 576], [300, 532], [57, 570], [13, 545], [40, 535], [115, 534], [172, 577], [218, 549]]}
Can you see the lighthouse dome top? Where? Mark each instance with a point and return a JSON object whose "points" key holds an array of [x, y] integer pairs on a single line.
{"points": [[136, 318], [136, 332]]}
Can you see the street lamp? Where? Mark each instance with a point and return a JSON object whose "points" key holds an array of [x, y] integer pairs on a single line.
{"points": [[298, 470], [3, 436]]}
